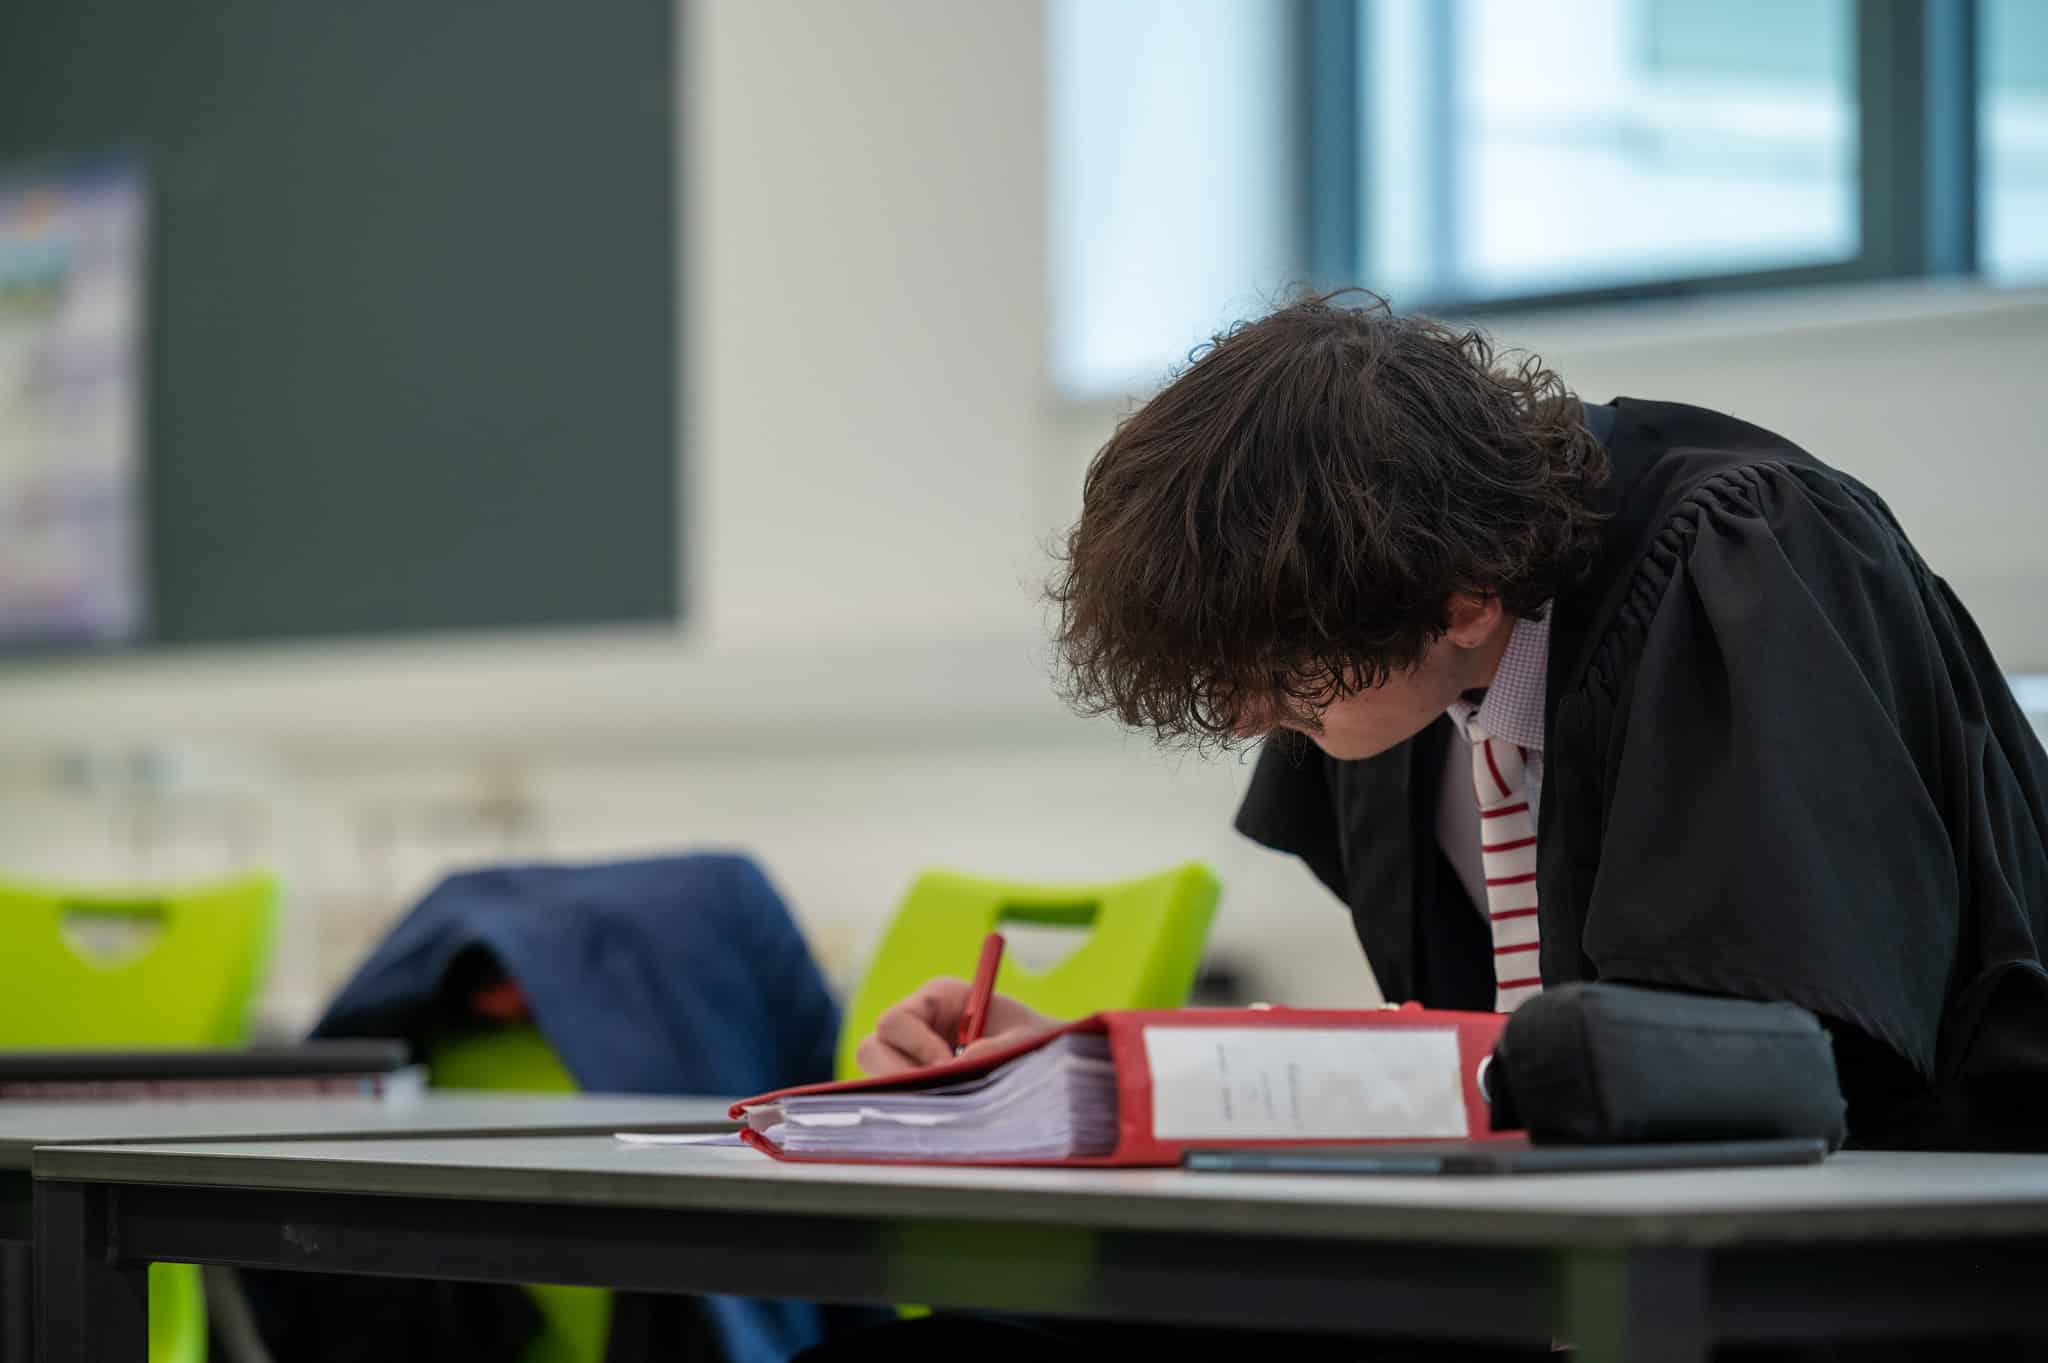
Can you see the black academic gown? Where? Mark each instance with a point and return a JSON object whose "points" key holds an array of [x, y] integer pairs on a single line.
{"points": [[1779, 763]]}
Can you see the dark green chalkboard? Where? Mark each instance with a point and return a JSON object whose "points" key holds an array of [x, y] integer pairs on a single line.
{"points": [[411, 342]]}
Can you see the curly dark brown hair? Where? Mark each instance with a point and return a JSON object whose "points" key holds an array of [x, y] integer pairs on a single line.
{"points": [[1285, 522]]}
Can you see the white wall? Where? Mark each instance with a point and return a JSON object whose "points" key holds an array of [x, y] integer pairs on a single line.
{"points": [[866, 191], [872, 463]]}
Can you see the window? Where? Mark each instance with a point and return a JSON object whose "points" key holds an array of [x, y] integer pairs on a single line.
{"points": [[1173, 192], [1513, 149], [1490, 154], [2013, 145]]}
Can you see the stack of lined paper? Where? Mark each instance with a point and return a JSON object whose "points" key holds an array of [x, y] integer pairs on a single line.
{"points": [[1050, 1103]]}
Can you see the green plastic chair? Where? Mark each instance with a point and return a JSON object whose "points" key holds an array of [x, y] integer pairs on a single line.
{"points": [[576, 1322], [1143, 945], [138, 968]]}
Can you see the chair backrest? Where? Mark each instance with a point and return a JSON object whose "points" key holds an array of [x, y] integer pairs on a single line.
{"points": [[1142, 945], [133, 967]]}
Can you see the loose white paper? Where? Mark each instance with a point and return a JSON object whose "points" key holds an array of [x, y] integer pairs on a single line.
{"points": [[1378, 1083], [679, 1137]]}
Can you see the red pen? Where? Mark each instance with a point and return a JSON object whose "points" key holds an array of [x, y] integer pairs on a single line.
{"points": [[975, 1017]]}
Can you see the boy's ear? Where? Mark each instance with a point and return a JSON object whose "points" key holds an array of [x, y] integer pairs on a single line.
{"points": [[1471, 620]]}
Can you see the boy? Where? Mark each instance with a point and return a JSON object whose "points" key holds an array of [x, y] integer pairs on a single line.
{"points": [[1552, 691]]}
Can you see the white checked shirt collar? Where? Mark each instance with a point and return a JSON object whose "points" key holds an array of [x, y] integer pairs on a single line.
{"points": [[1513, 708]]}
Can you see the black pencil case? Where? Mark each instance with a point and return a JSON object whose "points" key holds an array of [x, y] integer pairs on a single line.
{"points": [[1612, 1063]]}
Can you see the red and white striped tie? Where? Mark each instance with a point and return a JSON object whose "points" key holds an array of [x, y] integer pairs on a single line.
{"points": [[1507, 845]]}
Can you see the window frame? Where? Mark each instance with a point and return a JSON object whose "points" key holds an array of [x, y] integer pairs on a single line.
{"points": [[1916, 83]]}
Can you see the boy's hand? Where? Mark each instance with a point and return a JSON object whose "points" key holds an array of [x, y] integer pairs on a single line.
{"points": [[919, 1031]]}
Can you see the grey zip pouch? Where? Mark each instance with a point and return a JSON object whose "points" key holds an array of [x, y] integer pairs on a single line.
{"points": [[1612, 1063]]}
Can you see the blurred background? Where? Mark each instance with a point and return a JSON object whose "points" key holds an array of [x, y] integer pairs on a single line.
{"points": [[436, 438]]}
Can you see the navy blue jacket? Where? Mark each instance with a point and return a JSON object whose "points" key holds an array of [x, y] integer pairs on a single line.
{"points": [[673, 975]]}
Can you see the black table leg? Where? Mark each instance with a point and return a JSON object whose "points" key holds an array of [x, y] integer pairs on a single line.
{"points": [[91, 1304], [17, 1304], [1637, 1306]]}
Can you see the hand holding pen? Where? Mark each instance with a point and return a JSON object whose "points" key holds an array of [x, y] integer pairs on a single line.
{"points": [[925, 1028]]}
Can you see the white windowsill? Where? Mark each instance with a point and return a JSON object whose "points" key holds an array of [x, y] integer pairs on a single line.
{"points": [[1593, 329]]}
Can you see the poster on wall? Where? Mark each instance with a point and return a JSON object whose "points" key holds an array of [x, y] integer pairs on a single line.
{"points": [[72, 248]]}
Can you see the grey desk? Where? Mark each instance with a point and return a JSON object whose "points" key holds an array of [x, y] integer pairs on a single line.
{"points": [[1642, 1266], [23, 1126]]}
